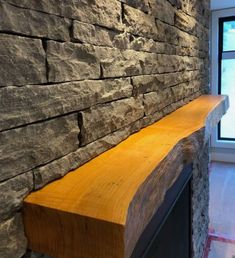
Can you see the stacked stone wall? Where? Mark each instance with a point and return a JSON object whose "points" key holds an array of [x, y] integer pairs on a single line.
{"points": [[79, 76]]}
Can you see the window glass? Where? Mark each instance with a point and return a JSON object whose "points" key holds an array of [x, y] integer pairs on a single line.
{"points": [[228, 88], [229, 36]]}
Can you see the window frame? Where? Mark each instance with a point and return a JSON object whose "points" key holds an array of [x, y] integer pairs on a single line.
{"points": [[221, 56], [216, 59]]}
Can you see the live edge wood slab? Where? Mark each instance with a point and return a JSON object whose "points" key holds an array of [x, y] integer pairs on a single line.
{"points": [[101, 209]]}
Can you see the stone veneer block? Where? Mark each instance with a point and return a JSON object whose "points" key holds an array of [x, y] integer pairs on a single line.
{"points": [[47, 101], [129, 62], [13, 242], [104, 119], [22, 61], [147, 45], [186, 23], [32, 23], [70, 62], [147, 83], [200, 202], [58, 168], [27, 147], [139, 23], [96, 35], [103, 12], [12, 192], [152, 102], [162, 10], [142, 5]]}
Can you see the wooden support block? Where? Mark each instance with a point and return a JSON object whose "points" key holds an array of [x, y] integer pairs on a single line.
{"points": [[101, 209]]}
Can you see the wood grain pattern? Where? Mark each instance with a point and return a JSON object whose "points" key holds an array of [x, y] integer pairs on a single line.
{"points": [[101, 209]]}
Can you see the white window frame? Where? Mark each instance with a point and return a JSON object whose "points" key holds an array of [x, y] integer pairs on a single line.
{"points": [[219, 147]]}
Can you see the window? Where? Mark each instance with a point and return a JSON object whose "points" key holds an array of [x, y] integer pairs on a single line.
{"points": [[222, 46], [226, 74]]}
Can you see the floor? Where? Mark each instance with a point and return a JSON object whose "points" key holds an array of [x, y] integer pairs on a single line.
{"points": [[221, 240]]}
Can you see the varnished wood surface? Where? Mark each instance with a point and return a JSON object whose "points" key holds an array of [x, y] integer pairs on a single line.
{"points": [[100, 209]]}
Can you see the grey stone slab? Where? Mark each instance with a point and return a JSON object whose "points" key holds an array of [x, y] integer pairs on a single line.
{"points": [[167, 33], [179, 91], [22, 61], [148, 120], [188, 40], [139, 23], [186, 23], [172, 79], [158, 82], [116, 63], [103, 12], [52, 6], [102, 120], [33, 23], [69, 62], [28, 104], [13, 242], [162, 10], [142, 5], [148, 45], [51, 171], [58, 168], [152, 103], [24, 148], [147, 83], [96, 35], [12, 193]]}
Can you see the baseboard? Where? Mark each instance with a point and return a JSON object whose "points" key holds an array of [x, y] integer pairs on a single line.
{"points": [[222, 155]]}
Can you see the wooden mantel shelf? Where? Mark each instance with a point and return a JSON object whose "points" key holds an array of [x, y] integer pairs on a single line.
{"points": [[101, 209]]}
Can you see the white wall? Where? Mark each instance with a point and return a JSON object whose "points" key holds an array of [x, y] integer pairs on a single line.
{"points": [[222, 4]]}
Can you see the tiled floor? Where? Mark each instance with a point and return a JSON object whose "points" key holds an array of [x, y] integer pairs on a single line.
{"points": [[221, 242]]}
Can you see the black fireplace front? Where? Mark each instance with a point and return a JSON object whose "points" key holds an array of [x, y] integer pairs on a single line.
{"points": [[168, 235]]}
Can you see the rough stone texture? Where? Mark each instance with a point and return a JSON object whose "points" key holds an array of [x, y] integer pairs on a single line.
{"points": [[69, 61], [158, 10], [186, 23], [12, 192], [22, 61], [142, 5], [200, 202], [12, 239], [147, 83], [46, 101], [103, 12], [23, 21], [130, 63], [27, 147], [152, 102], [139, 23], [117, 65], [99, 121], [52, 6], [96, 35], [152, 118], [147, 45], [60, 167], [158, 82]]}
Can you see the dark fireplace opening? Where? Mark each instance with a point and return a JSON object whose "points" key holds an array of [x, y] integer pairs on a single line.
{"points": [[168, 235]]}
